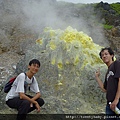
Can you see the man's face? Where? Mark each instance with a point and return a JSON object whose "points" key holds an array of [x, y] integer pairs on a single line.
{"points": [[106, 57], [34, 68]]}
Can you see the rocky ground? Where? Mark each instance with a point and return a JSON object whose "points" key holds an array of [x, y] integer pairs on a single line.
{"points": [[8, 61], [13, 42]]}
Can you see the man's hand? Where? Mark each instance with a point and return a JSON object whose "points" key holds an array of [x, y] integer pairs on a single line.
{"points": [[37, 107], [97, 73], [31, 104], [113, 105]]}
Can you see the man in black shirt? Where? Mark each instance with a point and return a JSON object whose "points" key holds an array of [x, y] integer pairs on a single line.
{"points": [[111, 84]]}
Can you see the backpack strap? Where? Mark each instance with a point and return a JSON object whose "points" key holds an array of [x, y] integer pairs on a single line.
{"points": [[25, 79], [32, 79], [26, 76]]}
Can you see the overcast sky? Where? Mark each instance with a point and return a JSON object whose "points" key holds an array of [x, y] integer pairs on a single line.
{"points": [[90, 1]]}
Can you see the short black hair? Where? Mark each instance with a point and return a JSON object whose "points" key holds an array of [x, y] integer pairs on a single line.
{"points": [[34, 61], [109, 50]]}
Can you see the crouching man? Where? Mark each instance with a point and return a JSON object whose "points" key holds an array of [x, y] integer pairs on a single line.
{"points": [[18, 99]]}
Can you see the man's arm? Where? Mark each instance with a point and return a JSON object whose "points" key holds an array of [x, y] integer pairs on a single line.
{"points": [[117, 97], [100, 83], [32, 100], [23, 96], [37, 95]]}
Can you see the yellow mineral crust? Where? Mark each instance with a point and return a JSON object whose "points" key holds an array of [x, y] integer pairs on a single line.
{"points": [[71, 47], [39, 41]]}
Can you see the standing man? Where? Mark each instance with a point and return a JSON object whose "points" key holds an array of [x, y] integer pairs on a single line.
{"points": [[111, 84], [18, 99]]}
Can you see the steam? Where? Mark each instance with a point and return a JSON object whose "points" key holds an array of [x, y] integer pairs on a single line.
{"points": [[44, 14], [41, 14], [38, 14]]}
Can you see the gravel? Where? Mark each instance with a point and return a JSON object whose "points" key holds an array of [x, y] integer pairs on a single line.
{"points": [[8, 61]]}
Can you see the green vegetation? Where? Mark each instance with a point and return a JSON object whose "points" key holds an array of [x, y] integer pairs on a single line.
{"points": [[116, 7], [108, 27]]}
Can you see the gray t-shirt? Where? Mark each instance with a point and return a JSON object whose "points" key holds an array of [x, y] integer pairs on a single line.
{"points": [[18, 86]]}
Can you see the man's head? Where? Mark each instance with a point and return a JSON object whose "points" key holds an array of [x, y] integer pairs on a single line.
{"points": [[34, 61], [106, 53], [34, 66]]}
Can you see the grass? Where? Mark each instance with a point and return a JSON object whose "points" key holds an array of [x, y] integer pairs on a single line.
{"points": [[116, 7], [108, 27]]}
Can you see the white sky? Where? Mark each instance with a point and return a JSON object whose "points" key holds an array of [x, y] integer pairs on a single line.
{"points": [[90, 1]]}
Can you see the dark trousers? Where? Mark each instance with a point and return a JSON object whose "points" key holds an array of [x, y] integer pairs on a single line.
{"points": [[23, 106], [110, 115]]}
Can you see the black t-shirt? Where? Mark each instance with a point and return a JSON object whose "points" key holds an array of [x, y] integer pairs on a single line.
{"points": [[111, 80]]}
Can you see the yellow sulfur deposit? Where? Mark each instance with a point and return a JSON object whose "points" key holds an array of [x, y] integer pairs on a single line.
{"points": [[70, 46], [52, 45], [39, 41]]}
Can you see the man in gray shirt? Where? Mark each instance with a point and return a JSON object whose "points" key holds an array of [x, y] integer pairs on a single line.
{"points": [[17, 97]]}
